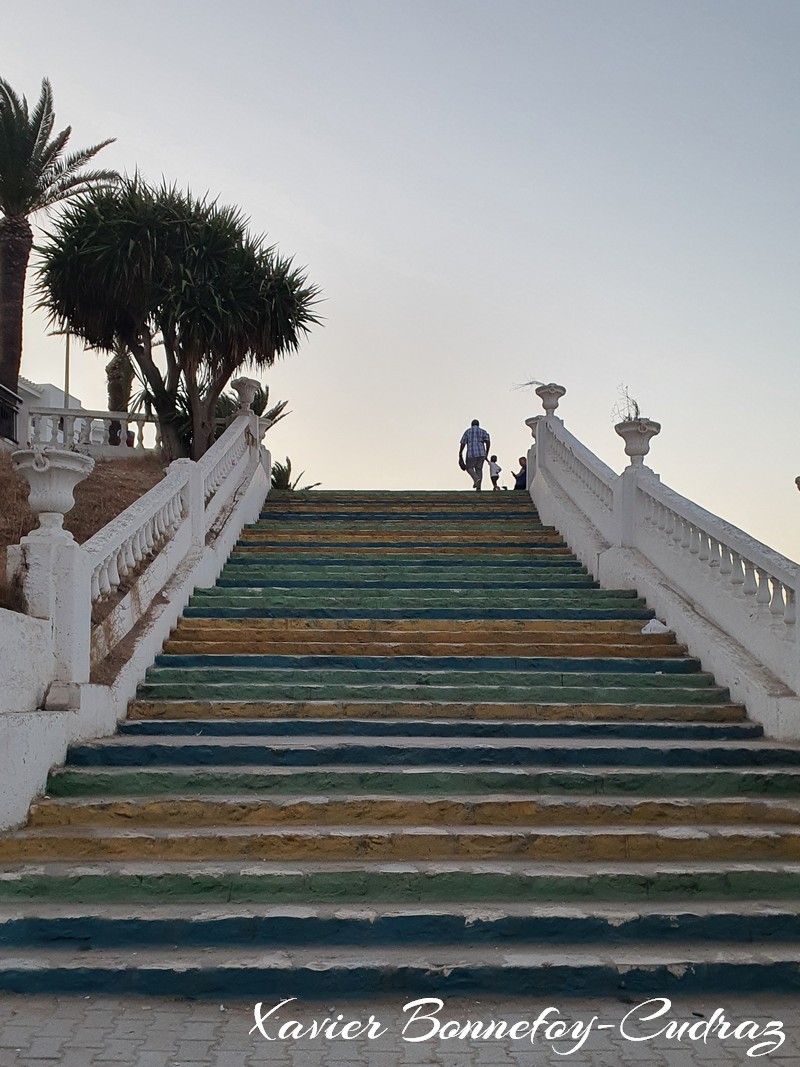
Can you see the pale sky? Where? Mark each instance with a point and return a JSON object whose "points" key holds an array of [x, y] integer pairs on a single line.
{"points": [[592, 192]]}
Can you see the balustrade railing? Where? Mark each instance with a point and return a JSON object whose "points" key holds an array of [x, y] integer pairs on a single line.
{"points": [[138, 534], [215, 467], [720, 574], [710, 549], [94, 432], [588, 481]]}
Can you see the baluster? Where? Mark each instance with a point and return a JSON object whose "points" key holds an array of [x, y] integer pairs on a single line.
{"points": [[106, 424], [113, 573], [130, 558], [725, 568], [34, 431], [85, 437], [694, 540], [737, 574], [764, 595], [121, 563], [149, 538], [776, 604], [713, 555], [69, 430], [140, 433], [123, 433], [95, 584], [103, 582], [790, 614], [137, 545], [750, 587], [704, 552], [669, 524]]}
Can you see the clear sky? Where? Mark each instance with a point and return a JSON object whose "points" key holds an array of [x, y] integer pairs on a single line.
{"points": [[592, 192]]}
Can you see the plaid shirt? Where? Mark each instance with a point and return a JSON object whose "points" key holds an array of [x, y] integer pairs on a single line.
{"points": [[476, 439]]}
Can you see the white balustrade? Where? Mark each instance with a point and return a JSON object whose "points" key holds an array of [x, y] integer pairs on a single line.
{"points": [[137, 534], [588, 481], [225, 456], [709, 577], [98, 433]]}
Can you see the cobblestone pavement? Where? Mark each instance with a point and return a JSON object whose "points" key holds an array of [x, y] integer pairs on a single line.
{"points": [[139, 1032]]}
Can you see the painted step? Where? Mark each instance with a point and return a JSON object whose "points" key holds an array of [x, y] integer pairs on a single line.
{"points": [[68, 926], [556, 593], [234, 691], [315, 751], [263, 546], [230, 709], [269, 579], [566, 844], [290, 645], [591, 814], [448, 728], [370, 883], [558, 564], [438, 781], [493, 670], [593, 970]]}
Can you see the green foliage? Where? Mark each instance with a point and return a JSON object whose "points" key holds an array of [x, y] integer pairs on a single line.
{"points": [[145, 263], [34, 171], [282, 478]]}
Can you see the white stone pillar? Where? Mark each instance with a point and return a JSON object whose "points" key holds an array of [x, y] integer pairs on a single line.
{"points": [[196, 499], [55, 572], [637, 434]]}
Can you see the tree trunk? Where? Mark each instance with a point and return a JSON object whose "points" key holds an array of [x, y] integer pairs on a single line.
{"points": [[119, 379], [164, 402], [203, 425], [16, 241]]}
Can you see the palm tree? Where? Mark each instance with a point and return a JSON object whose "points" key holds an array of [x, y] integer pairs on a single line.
{"points": [[34, 176], [158, 266], [282, 478]]}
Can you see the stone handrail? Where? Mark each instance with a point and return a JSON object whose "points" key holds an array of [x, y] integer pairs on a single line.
{"points": [[746, 567], [77, 428], [731, 598], [591, 482], [215, 467], [112, 581], [139, 532]]}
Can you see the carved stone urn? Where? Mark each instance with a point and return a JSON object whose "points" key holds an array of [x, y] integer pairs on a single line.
{"points": [[550, 396], [637, 433], [246, 389], [52, 474]]}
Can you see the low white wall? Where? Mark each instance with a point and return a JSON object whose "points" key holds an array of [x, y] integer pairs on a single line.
{"points": [[26, 661]]}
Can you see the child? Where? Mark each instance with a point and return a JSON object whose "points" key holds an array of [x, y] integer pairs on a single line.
{"points": [[494, 472]]}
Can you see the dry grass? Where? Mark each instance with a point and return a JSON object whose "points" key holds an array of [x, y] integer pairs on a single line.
{"points": [[112, 486]]}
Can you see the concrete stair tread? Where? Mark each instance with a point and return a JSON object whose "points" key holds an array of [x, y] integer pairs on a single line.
{"points": [[351, 725], [369, 911], [542, 800], [462, 769], [324, 741], [697, 832], [414, 957], [148, 869], [178, 709]]}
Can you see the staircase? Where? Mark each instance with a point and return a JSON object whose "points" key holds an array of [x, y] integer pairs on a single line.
{"points": [[407, 745]]}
